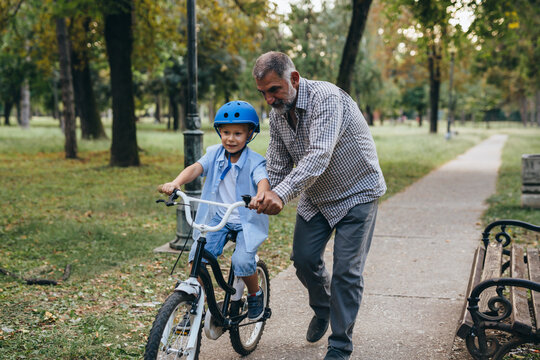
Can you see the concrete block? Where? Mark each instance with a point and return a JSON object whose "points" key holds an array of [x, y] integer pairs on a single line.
{"points": [[530, 169], [530, 200]]}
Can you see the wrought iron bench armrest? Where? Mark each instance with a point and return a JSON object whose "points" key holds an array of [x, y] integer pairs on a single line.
{"points": [[503, 233], [500, 283]]}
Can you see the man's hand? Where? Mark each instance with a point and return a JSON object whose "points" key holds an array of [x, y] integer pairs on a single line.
{"points": [[267, 202]]}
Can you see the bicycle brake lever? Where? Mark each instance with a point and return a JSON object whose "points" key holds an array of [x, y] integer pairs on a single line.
{"points": [[170, 201]]}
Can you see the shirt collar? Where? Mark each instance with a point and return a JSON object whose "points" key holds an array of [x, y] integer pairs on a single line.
{"points": [[241, 161], [302, 98]]}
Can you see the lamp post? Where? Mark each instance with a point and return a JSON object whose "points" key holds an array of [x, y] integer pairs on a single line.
{"points": [[450, 117], [193, 136]]}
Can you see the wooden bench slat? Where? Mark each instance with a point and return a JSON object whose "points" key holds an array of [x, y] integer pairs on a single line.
{"points": [[521, 318], [466, 322], [533, 264], [492, 270]]}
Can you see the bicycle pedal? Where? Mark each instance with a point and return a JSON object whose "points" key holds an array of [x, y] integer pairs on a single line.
{"points": [[267, 313]]}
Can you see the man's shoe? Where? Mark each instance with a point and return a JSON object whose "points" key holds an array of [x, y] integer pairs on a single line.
{"points": [[255, 306], [336, 354], [316, 329]]}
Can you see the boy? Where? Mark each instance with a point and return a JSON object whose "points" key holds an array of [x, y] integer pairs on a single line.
{"points": [[231, 170]]}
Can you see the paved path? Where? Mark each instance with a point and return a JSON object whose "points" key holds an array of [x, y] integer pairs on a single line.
{"points": [[415, 277]]}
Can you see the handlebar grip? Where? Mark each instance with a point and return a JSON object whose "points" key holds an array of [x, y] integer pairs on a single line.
{"points": [[247, 199]]}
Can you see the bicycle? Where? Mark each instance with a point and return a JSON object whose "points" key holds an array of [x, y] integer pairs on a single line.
{"points": [[176, 331]]}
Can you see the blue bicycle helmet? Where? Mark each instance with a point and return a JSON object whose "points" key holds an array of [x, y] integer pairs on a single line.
{"points": [[237, 112]]}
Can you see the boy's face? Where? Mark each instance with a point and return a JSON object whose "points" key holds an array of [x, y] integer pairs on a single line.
{"points": [[234, 136]]}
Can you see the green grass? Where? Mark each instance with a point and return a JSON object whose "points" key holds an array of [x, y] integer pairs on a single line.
{"points": [[506, 202], [104, 222]]}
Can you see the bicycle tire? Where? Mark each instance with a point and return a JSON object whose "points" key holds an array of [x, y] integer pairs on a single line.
{"points": [[169, 319], [245, 338]]}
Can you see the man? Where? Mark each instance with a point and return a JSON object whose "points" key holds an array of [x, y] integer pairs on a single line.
{"points": [[321, 149]]}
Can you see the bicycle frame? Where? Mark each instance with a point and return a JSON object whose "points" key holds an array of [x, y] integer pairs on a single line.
{"points": [[192, 285], [178, 325]]}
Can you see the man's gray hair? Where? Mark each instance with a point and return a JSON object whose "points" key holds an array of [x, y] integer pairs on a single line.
{"points": [[275, 61]]}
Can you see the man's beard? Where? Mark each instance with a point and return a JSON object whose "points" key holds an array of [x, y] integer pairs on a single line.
{"points": [[283, 106]]}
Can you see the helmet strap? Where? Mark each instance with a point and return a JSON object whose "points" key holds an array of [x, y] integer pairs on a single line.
{"points": [[229, 154], [229, 164]]}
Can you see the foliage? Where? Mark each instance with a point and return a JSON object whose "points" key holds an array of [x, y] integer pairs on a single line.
{"points": [[507, 46], [506, 202], [316, 39]]}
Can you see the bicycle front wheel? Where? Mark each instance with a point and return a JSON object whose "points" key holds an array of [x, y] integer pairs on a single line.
{"points": [[171, 330], [246, 336]]}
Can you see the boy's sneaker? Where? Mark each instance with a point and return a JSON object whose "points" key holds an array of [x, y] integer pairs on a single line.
{"points": [[256, 306], [184, 324]]}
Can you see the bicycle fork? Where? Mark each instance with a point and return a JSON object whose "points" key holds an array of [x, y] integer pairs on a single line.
{"points": [[191, 286]]}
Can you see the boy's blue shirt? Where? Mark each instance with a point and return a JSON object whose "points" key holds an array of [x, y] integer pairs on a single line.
{"points": [[251, 169]]}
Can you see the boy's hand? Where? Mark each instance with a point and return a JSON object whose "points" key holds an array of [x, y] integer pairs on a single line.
{"points": [[255, 201], [167, 188]]}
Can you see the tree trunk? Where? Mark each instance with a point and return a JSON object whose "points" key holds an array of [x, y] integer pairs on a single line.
{"points": [[18, 108], [25, 105], [119, 43], [212, 111], [54, 88], [8, 105], [434, 87], [157, 113], [91, 125], [356, 29], [523, 109], [66, 82], [173, 110], [369, 114]]}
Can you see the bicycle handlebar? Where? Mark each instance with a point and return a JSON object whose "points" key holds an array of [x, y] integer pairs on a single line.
{"points": [[187, 200]]}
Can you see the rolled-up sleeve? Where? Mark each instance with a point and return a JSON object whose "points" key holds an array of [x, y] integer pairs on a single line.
{"points": [[279, 162], [259, 173], [206, 160]]}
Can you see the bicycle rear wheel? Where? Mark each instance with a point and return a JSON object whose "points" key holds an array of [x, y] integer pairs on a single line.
{"points": [[171, 330], [246, 336]]}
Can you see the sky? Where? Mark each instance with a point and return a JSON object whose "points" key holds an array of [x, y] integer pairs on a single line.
{"points": [[285, 8], [463, 16]]}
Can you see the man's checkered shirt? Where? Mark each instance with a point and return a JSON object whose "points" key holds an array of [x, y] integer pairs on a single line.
{"points": [[330, 159]]}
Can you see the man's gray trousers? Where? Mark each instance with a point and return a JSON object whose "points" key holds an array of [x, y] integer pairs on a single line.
{"points": [[338, 297]]}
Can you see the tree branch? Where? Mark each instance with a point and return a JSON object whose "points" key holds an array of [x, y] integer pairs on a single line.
{"points": [[67, 273]]}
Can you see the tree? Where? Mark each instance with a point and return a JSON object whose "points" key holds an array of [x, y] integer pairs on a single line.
{"points": [[431, 19], [91, 125], [16, 19], [64, 52], [415, 98], [507, 34], [119, 43], [348, 59], [11, 77]]}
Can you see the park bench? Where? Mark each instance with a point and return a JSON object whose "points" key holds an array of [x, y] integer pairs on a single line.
{"points": [[502, 309]]}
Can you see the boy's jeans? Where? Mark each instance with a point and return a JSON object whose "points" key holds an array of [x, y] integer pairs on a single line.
{"points": [[243, 262]]}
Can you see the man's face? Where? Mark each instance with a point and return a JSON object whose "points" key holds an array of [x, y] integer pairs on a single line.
{"points": [[279, 93]]}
